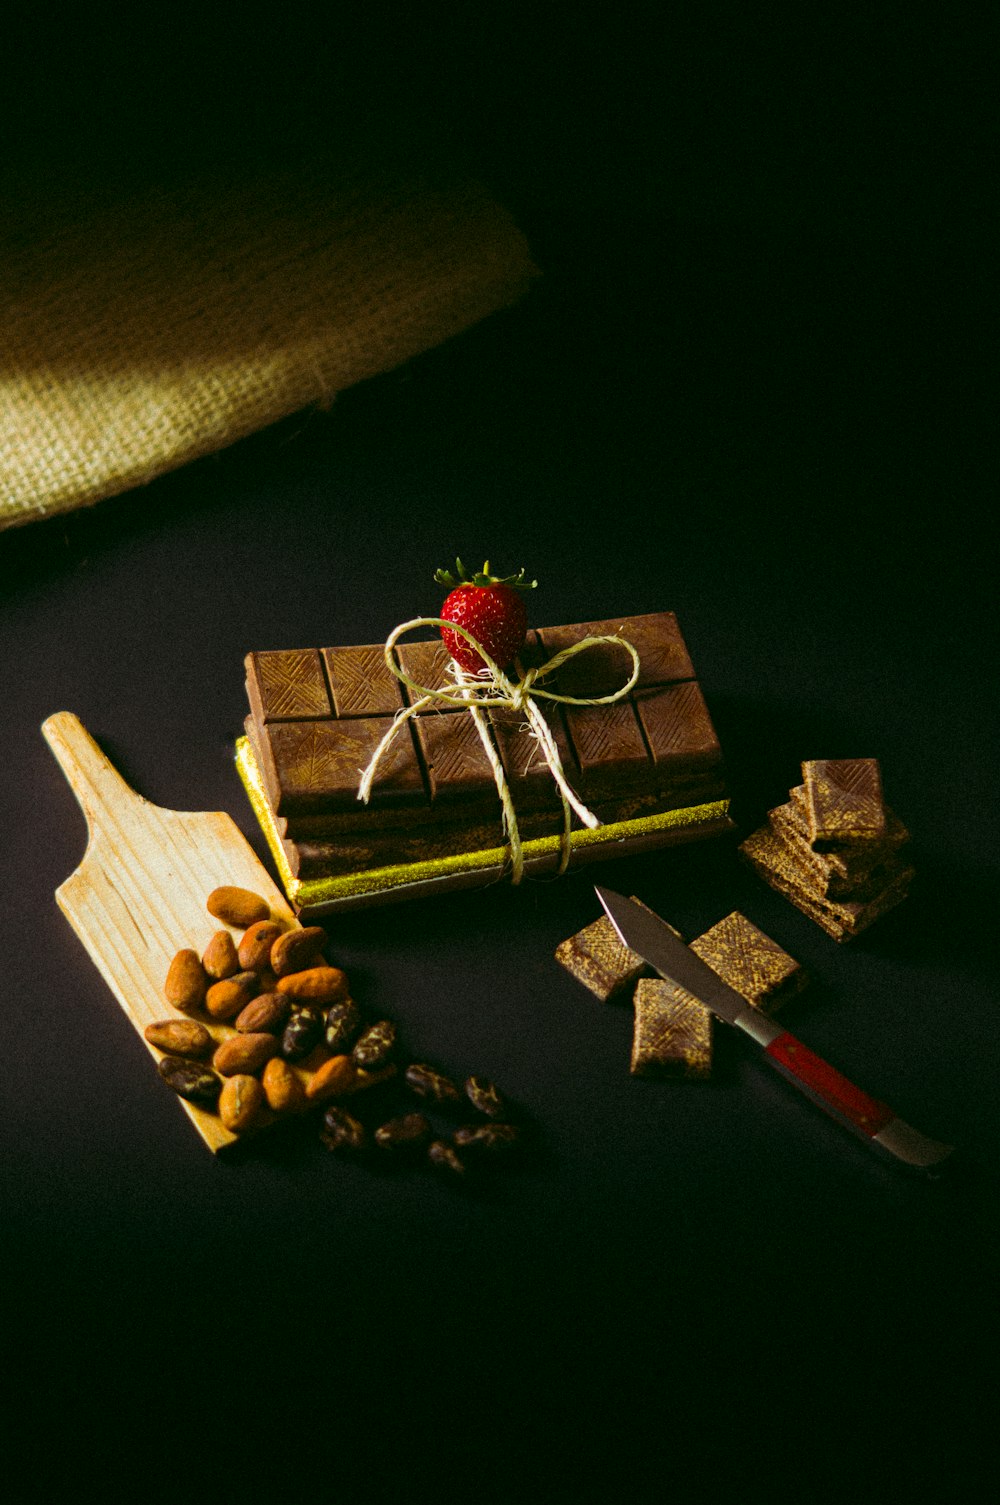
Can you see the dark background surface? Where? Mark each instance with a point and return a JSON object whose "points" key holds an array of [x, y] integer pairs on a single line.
{"points": [[749, 388]]}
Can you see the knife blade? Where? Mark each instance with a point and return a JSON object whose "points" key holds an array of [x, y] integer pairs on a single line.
{"points": [[873, 1121]]}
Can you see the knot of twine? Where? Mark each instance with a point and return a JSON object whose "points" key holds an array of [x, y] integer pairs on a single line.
{"points": [[491, 689]]}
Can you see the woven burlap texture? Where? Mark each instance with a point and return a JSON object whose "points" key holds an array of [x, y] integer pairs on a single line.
{"points": [[135, 337]]}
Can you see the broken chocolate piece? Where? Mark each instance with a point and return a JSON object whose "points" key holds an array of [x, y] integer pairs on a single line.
{"points": [[673, 1032], [750, 962], [599, 958], [843, 801], [772, 860]]}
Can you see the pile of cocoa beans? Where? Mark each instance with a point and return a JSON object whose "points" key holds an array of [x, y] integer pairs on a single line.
{"points": [[295, 1039]]}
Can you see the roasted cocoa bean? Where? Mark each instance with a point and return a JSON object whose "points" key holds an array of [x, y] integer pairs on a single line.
{"points": [[282, 1088], [331, 1079], [220, 958], [411, 1132], [243, 1055], [266, 1014], [428, 1083], [191, 1080], [444, 1157], [180, 1037], [314, 985], [237, 906], [186, 983], [484, 1097], [240, 1103], [375, 1045], [226, 999], [302, 1034], [486, 1139], [297, 949], [342, 1131], [255, 947], [343, 1021]]}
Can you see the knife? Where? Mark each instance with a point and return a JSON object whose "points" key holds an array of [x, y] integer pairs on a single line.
{"points": [[651, 938]]}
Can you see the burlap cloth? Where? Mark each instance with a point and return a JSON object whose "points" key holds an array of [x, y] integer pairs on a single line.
{"points": [[138, 335]]}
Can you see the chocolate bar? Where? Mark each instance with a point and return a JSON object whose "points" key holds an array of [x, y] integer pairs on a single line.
{"points": [[648, 766], [318, 717], [843, 800], [673, 1032], [779, 866]]}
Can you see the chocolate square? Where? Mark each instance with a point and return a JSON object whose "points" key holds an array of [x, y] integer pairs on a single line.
{"points": [[656, 637], [844, 801], [316, 766], [678, 727], [673, 1032], [361, 683], [750, 962], [522, 755], [454, 756], [609, 747], [287, 685], [429, 664], [599, 958]]}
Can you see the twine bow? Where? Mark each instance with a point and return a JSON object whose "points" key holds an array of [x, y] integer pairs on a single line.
{"points": [[491, 688]]}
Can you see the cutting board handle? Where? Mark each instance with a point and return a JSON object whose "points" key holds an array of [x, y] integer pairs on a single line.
{"points": [[92, 777]]}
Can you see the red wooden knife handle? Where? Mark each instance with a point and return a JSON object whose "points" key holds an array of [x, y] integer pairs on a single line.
{"points": [[828, 1087]]}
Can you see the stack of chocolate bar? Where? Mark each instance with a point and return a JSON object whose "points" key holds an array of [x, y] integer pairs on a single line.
{"points": [[835, 849], [648, 766], [674, 1032]]}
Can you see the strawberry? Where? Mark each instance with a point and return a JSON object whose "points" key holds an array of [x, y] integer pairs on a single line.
{"points": [[489, 607]]}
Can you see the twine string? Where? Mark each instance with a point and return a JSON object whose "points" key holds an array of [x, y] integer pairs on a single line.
{"points": [[491, 689]]}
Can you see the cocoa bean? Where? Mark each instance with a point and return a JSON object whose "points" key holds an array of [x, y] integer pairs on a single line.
{"points": [[428, 1083], [331, 1079], [444, 1157], [486, 1139], [186, 982], [180, 1037], [282, 1088], [255, 947], [411, 1132], [343, 1021], [375, 1045], [484, 1096], [314, 985], [191, 1080], [225, 999], [297, 949], [266, 1014], [302, 1034], [342, 1131], [243, 1055], [237, 906], [240, 1103], [220, 958]]}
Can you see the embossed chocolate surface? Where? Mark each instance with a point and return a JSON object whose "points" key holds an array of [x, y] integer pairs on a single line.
{"points": [[673, 1032], [843, 801], [750, 962], [287, 686]]}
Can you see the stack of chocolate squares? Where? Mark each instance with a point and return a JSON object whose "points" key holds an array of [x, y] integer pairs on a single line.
{"points": [[649, 766], [835, 850], [674, 1033]]}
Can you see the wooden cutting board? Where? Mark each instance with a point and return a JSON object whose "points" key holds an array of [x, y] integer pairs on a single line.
{"points": [[139, 894]]}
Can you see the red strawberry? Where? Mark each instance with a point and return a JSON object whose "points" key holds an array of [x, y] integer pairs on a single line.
{"points": [[489, 607]]}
